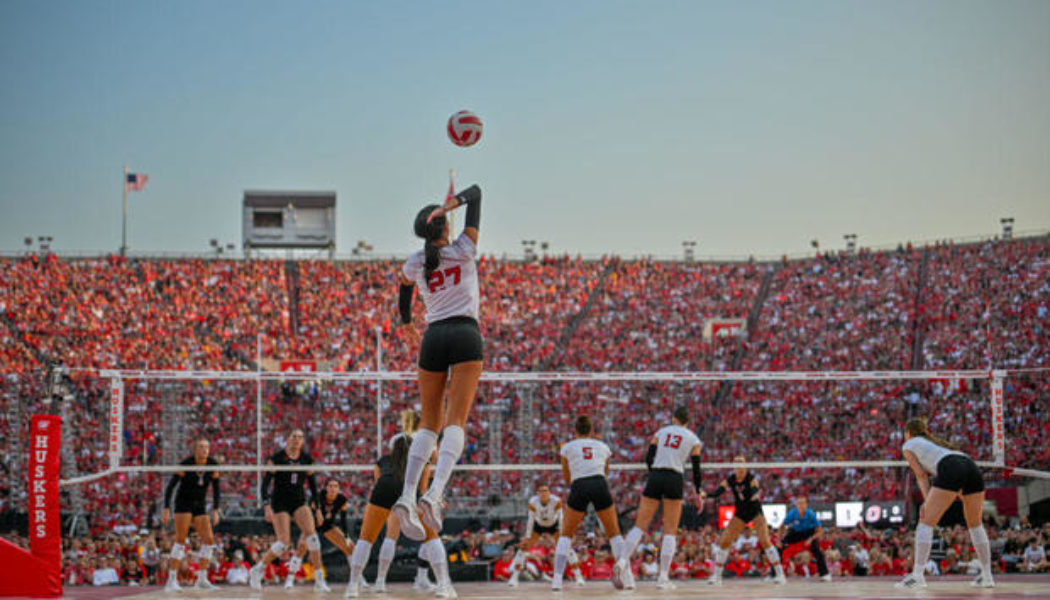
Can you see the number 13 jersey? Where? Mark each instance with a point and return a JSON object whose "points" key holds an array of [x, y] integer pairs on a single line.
{"points": [[674, 444], [452, 288]]}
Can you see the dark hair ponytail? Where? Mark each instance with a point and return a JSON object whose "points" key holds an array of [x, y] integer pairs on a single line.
{"points": [[583, 425], [399, 455], [430, 232]]}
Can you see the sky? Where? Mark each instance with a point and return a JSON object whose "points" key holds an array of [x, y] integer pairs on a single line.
{"points": [[610, 126]]}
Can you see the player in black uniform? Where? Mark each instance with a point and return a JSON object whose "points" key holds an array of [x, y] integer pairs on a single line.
{"points": [[190, 508], [390, 473], [289, 502], [410, 420], [747, 508], [330, 514]]}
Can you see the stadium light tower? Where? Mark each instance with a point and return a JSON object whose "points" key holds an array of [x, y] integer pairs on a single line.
{"points": [[1008, 227], [45, 242], [529, 247], [689, 250], [851, 242]]}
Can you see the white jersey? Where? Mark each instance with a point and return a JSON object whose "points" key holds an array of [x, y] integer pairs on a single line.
{"points": [[586, 457], [928, 453], [546, 515], [452, 289], [674, 444]]}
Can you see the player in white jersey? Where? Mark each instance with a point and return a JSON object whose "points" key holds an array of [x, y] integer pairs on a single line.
{"points": [[669, 450], [584, 464], [545, 518], [955, 476], [450, 353]]}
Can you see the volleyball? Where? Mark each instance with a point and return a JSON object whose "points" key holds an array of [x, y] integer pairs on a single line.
{"points": [[464, 128]]}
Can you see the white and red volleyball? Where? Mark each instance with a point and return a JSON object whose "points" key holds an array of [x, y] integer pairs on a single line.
{"points": [[464, 128]]}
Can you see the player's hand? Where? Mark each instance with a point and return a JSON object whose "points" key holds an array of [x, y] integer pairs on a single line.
{"points": [[214, 517], [317, 516], [165, 516], [268, 514]]}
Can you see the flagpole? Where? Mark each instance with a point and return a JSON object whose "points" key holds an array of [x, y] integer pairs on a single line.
{"points": [[124, 222]]}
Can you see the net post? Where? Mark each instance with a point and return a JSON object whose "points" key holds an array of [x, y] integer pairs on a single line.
{"points": [[998, 428], [116, 420], [258, 418], [379, 393]]}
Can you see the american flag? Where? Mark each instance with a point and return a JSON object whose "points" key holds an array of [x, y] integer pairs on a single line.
{"points": [[135, 182]]}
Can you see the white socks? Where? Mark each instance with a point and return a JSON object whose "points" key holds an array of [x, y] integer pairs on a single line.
{"points": [[634, 537], [358, 560], [617, 544], [720, 556], [561, 556], [386, 556], [423, 443], [774, 559], [448, 455], [293, 566], [923, 542], [979, 537], [667, 548], [435, 553]]}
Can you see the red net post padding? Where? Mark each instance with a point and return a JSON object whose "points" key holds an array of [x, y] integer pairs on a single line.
{"points": [[38, 574]]}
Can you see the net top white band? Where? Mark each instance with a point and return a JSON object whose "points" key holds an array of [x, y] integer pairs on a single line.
{"points": [[530, 376], [843, 464]]}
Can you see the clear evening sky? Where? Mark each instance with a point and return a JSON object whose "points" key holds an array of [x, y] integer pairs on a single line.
{"points": [[627, 127]]}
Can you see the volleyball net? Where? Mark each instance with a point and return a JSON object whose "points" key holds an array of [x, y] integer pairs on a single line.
{"points": [[832, 434]]}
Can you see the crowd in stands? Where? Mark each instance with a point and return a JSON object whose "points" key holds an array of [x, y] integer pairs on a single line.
{"points": [[138, 558], [944, 307]]}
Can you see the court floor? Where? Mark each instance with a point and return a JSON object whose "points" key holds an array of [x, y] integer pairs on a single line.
{"points": [[1008, 587]]}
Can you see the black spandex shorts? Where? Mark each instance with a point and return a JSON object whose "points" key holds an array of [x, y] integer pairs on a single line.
{"points": [[325, 526], [194, 506], [542, 529], [958, 473], [449, 342], [663, 483], [748, 512], [286, 504], [385, 492], [590, 490]]}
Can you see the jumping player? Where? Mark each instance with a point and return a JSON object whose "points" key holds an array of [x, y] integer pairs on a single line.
{"points": [[747, 508], [289, 502], [389, 473], [451, 351], [545, 518], [668, 452], [955, 476], [584, 464], [190, 509], [329, 509]]}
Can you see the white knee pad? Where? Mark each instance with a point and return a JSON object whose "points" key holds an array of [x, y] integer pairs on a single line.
{"points": [[313, 542], [278, 548], [178, 551]]}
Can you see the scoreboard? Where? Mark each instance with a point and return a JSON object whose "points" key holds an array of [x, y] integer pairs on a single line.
{"points": [[276, 219], [837, 514]]}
